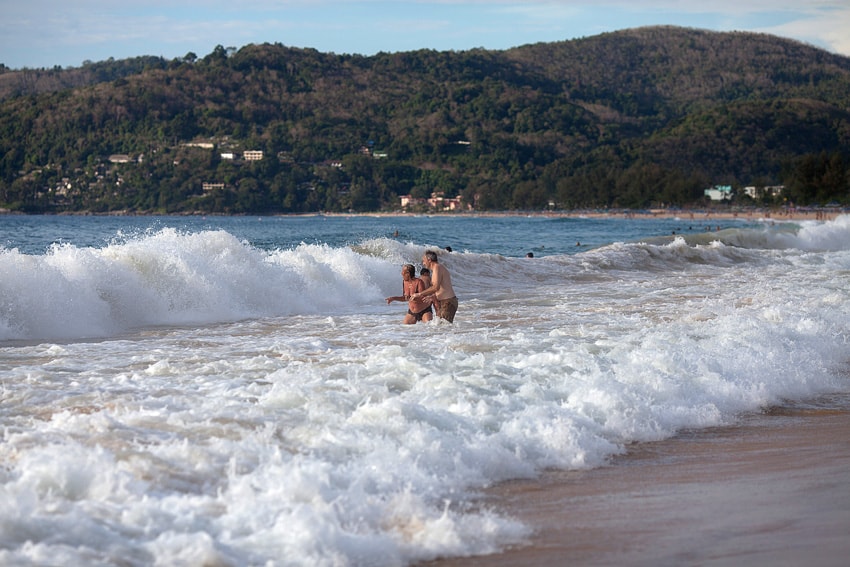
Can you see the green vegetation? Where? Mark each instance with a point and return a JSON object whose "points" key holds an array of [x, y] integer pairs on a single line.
{"points": [[636, 118]]}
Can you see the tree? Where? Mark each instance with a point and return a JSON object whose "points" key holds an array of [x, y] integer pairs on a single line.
{"points": [[630, 118]]}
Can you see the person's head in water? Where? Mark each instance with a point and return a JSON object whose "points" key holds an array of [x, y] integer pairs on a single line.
{"points": [[530, 255]]}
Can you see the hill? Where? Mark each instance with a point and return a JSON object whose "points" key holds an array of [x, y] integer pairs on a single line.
{"points": [[627, 119]]}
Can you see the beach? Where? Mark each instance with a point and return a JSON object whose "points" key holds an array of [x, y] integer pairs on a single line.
{"points": [[715, 215], [772, 490], [711, 215], [706, 215]]}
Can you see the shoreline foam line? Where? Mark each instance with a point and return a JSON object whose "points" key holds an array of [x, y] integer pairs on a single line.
{"points": [[769, 491]]}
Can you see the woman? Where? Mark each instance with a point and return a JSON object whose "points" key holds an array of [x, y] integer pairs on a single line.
{"points": [[417, 309]]}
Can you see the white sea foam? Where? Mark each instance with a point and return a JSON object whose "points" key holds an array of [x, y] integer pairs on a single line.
{"points": [[266, 407], [173, 278]]}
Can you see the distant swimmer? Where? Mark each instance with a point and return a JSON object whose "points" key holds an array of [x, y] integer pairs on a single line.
{"points": [[448, 248], [445, 300], [417, 309], [530, 255]]}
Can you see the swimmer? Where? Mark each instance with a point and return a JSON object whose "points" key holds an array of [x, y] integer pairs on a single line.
{"points": [[418, 309]]}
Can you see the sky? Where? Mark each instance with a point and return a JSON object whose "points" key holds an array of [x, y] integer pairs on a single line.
{"points": [[67, 33]]}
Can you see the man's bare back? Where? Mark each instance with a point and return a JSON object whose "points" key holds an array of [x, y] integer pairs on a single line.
{"points": [[441, 287]]}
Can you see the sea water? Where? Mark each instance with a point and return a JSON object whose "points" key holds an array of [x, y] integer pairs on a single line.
{"points": [[236, 391]]}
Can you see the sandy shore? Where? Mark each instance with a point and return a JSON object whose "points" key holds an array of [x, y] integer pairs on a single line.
{"points": [[710, 216], [695, 215], [721, 214], [774, 490]]}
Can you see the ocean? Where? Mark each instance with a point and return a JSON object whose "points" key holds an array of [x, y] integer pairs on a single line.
{"points": [[229, 391]]}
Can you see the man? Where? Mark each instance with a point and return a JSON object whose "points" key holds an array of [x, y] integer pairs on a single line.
{"points": [[445, 300]]}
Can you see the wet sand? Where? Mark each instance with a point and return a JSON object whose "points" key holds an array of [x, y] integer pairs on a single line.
{"points": [[773, 490]]}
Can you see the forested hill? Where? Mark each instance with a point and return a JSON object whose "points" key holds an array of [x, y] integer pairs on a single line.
{"points": [[633, 118]]}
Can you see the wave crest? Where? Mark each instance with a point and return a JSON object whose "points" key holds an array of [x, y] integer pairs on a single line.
{"points": [[175, 278]]}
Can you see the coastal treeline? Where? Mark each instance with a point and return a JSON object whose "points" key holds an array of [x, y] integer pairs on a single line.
{"points": [[637, 118]]}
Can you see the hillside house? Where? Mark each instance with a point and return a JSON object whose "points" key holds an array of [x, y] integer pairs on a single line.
{"points": [[769, 191], [207, 186], [436, 202], [719, 193]]}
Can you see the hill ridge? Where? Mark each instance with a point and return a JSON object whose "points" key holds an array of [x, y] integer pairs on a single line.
{"points": [[630, 118]]}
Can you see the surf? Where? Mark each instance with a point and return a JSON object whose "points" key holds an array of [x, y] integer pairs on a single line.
{"points": [[176, 278]]}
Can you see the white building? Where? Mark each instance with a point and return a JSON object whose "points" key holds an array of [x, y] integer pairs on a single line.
{"points": [[768, 191], [719, 193]]}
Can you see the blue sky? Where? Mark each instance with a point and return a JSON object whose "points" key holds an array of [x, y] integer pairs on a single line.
{"points": [[45, 33]]}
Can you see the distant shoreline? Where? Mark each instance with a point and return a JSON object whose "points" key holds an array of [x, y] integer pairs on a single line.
{"points": [[695, 214], [754, 214]]}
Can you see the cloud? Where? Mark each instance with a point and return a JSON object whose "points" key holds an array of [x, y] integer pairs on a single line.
{"points": [[827, 28], [46, 32]]}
